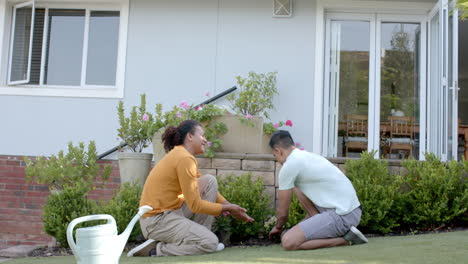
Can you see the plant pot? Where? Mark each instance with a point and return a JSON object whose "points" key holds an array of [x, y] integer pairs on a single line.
{"points": [[134, 166], [158, 147], [265, 148], [241, 138]]}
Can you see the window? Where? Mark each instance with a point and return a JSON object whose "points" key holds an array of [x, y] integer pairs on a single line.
{"points": [[66, 50]]}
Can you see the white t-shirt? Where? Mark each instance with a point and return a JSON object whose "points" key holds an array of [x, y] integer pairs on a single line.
{"points": [[321, 181]]}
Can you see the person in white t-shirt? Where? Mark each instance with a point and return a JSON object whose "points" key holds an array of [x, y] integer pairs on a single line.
{"points": [[332, 207]]}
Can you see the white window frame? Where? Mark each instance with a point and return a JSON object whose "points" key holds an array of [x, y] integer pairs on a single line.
{"points": [[385, 12], [402, 18], [345, 6], [12, 39], [89, 91]]}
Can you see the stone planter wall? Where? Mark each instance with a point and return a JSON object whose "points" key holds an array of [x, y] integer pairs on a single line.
{"points": [[264, 166]]}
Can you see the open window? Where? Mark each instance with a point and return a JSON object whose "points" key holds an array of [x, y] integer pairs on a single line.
{"points": [[21, 43]]}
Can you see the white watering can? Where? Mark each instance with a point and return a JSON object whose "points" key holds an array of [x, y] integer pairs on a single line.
{"points": [[100, 244]]}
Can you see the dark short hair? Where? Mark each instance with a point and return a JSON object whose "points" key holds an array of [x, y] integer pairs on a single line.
{"points": [[282, 139]]}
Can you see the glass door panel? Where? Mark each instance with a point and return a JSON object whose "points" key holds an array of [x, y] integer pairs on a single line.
{"points": [[348, 82], [399, 89]]}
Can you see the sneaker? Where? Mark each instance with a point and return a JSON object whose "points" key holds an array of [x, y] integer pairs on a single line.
{"points": [[220, 247], [145, 249], [355, 237]]}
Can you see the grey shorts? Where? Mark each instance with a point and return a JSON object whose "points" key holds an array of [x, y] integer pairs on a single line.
{"points": [[329, 224]]}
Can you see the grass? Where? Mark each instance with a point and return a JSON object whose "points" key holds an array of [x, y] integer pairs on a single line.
{"points": [[446, 248]]}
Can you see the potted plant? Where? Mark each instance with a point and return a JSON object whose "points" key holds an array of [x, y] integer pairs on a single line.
{"points": [[203, 114], [251, 105], [137, 131]]}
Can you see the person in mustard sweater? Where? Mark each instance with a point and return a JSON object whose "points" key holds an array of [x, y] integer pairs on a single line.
{"points": [[177, 192]]}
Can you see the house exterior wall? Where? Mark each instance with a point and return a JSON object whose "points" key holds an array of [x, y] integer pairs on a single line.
{"points": [[179, 50]]}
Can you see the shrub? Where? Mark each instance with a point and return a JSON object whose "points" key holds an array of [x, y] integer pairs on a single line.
{"points": [[376, 191], [77, 168], [124, 206], [71, 177], [64, 206], [296, 212], [247, 193], [435, 195]]}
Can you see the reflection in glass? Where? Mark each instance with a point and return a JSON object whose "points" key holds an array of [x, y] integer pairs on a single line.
{"points": [[102, 48], [350, 86], [399, 101], [463, 85], [21, 42], [64, 47]]}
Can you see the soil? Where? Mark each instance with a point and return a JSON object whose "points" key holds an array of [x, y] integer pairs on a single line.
{"points": [[262, 241]]}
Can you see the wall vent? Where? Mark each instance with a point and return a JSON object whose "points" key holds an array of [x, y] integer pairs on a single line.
{"points": [[282, 8]]}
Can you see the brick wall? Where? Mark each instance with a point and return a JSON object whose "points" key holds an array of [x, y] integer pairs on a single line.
{"points": [[21, 203]]}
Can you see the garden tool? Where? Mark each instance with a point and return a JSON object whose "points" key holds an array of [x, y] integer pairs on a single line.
{"points": [[100, 244]]}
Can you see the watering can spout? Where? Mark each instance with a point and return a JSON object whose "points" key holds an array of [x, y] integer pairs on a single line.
{"points": [[126, 233]]}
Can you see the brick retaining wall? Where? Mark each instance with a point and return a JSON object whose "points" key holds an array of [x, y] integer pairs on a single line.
{"points": [[21, 203]]}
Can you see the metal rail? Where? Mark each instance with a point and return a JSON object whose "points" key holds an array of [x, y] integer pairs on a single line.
{"points": [[210, 100]]}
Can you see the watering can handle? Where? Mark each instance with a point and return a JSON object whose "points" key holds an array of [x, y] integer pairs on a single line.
{"points": [[78, 220], [145, 208]]}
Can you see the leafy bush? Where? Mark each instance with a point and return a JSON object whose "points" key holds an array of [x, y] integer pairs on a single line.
{"points": [[203, 114], [296, 212], [71, 177], [124, 206], [247, 193], [77, 168], [376, 190], [436, 193], [64, 206]]}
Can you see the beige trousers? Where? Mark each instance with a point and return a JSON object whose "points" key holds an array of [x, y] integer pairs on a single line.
{"points": [[176, 233]]}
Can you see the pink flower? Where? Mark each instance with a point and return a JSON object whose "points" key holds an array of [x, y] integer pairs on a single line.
{"points": [[248, 116], [208, 144], [301, 148], [207, 94], [145, 117], [184, 104], [196, 108], [288, 123], [298, 144], [276, 125], [179, 115]]}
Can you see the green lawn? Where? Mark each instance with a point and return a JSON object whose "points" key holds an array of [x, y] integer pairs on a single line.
{"points": [[445, 248]]}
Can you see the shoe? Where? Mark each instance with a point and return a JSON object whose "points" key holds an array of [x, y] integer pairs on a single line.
{"points": [[220, 247], [355, 237], [145, 249]]}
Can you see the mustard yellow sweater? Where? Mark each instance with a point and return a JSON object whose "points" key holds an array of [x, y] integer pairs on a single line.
{"points": [[175, 180]]}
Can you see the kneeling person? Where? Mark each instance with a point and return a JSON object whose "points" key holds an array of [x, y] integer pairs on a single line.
{"points": [[332, 207], [178, 193]]}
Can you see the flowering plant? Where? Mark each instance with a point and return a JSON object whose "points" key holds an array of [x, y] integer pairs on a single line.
{"points": [[138, 129], [270, 127], [203, 114], [255, 96]]}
